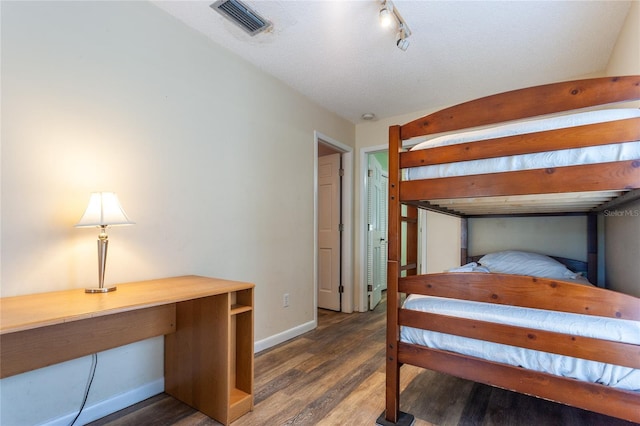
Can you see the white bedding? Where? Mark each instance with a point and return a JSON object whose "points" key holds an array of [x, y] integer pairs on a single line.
{"points": [[566, 157], [581, 325]]}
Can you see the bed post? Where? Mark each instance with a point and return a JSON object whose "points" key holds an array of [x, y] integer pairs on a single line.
{"points": [[411, 242], [464, 241], [592, 248], [392, 414]]}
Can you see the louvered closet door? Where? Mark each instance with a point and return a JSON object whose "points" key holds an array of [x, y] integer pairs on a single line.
{"points": [[377, 235]]}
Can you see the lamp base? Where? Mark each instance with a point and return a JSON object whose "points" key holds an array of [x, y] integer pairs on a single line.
{"points": [[100, 289]]}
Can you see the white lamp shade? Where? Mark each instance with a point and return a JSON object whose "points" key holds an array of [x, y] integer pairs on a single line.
{"points": [[104, 209]]}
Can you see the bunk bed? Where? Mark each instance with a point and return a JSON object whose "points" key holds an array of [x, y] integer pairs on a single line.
{"points": [[577, 186]]}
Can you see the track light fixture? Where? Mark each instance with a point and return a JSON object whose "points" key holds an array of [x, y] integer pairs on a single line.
{"points": [[388, 14]]}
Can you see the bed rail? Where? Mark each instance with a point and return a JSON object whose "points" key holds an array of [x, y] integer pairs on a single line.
{"points": [[617, 353], [526, 103], [627, 130], [524, 291], [582, 178], [590, 396]]}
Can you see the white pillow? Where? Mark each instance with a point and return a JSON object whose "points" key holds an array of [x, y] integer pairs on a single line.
{"points": [[526, 263]]}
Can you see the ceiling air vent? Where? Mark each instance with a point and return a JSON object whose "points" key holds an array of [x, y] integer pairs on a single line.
{"points": [[242, 15]]}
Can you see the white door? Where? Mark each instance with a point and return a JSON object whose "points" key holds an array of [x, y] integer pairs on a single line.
{"points": [[329, 232], [377, 232]]}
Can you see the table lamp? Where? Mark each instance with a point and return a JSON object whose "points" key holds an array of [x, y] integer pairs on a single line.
{"points": [[103, 210]]}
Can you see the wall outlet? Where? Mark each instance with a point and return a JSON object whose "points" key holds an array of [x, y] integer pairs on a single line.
{"points": [[285, 300]]}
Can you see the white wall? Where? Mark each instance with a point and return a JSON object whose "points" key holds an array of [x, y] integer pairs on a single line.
{"points": [[442, 242], [622, 224], [556, 236], [212, 158], [625, 59], [622, 251]]}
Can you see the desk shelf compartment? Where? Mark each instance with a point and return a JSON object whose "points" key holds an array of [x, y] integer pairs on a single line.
{"points": [[209, 360], [241, 322]]}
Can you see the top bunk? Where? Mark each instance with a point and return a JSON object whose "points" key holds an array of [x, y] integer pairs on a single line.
{"points": [[561, 148]]}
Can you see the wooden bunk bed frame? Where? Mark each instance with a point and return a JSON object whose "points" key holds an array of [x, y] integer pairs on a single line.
{"points": [[620, 179]]}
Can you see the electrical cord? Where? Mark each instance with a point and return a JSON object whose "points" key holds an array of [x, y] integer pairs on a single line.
{"points": [[92, 373]]}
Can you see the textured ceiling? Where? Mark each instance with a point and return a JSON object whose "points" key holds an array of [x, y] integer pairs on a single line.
{"points": [[336, 53]]}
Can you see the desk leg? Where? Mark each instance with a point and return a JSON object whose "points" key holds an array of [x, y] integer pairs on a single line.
{"points": [[197, 356]]}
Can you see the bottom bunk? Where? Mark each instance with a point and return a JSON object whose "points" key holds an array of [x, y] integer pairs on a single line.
{"points": [[536, 319], [557, 339]]}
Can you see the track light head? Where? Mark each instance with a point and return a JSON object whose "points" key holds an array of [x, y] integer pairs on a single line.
{"points": [[403, 44], [402, 40], [386, 18]]}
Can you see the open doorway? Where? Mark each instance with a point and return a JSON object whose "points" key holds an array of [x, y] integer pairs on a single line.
{"points": [[333, 211]]}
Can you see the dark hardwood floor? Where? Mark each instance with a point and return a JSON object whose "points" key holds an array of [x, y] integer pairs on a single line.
{"points": [[334, 375]]}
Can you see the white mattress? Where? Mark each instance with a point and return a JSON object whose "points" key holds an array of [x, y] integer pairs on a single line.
{"points": [[560, 365], [566, 157]]}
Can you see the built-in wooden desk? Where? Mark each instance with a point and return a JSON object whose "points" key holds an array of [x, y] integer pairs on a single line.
{"points": [[207, 323]]}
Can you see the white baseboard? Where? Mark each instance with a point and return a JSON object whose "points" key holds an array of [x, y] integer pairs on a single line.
{"points": [[111, 405], [276, 339]]}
